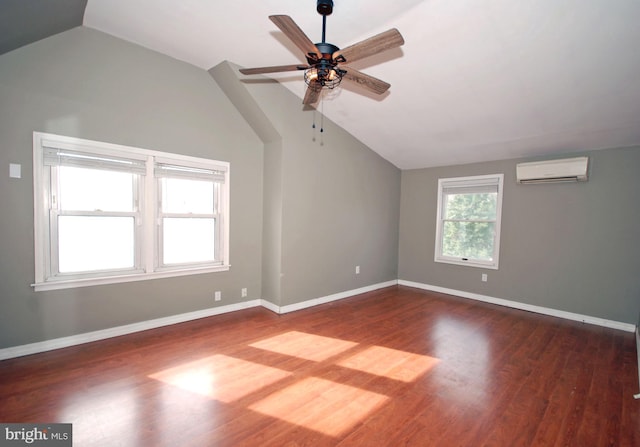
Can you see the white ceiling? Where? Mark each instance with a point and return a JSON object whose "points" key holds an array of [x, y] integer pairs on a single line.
{"points": [[476, 79]]}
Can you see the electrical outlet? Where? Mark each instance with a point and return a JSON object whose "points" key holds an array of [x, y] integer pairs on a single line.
{"points": [[244, 292], [217, 296], [484, 277], [357, 269]]}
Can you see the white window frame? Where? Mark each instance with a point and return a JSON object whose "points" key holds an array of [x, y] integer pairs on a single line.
{"points": [[481, 182], [163, 167], [147, 251]]}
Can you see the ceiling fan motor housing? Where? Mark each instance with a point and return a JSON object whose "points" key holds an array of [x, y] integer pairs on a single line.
{"points": [[326, 50], [325, 7]]}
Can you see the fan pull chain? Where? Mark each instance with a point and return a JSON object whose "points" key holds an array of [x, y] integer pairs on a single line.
{"points": [[322, 120], [313, 126]]}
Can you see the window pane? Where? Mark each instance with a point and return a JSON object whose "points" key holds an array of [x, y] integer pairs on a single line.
{"points": [[188, 240], [95, 243], [187, 196], [472, 240], [83, 189], [480, 206]]}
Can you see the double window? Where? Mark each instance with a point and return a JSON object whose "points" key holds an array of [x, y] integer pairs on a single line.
{"points": [[107, 213], [468, 220]]}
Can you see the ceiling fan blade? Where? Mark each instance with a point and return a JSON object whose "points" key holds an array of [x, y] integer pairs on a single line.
{"points": [[312, 95], [295, 34], [368, 47], [274, 69], [369, 82]]}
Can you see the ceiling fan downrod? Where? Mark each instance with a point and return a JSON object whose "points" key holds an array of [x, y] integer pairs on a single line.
{"points": [[324, 8]]}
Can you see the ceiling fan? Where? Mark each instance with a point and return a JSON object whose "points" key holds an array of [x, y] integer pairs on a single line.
{"points": [[325, 61]]}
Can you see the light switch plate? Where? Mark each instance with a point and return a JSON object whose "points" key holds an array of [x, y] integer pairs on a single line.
{"points": [[15, 170]]}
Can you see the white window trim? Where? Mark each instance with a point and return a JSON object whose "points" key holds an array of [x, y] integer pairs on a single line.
{"points": [[471, 181], [149, 254]]}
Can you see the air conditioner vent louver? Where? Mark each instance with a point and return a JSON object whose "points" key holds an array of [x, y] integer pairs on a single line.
{"points": [[553, 171]]}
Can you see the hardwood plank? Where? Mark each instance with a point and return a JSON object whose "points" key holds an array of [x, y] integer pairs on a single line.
{"points": [[397, 366]]}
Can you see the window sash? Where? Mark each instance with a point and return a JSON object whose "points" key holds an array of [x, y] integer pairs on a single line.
{"points": [[85, 190], [473, 249], [56, 211], [195, 258], [167, 206], [448, 206], [163, 216], [124, 260]]}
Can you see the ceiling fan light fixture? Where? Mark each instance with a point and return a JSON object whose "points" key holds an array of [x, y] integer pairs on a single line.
{"points": [[319, 77]]}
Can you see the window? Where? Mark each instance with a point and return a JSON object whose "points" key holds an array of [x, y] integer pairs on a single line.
{"points": [[106, 213], [468, 226]]}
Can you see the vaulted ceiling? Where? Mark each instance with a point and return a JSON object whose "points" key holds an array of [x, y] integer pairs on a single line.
{"points": [[475, 80]]}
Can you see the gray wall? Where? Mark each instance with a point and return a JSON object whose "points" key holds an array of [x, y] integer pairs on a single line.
{"points": [[340, 209], [330, 202], [86, 84], [226, 75], [571, 247]]}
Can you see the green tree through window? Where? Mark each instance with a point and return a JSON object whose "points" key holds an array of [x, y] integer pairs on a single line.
{"points": [[469, 225]]}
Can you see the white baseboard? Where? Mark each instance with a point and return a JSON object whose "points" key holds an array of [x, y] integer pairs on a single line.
{"points": [[57, 343], [638, 354], [269, 305], [325, 299], [523, 306], [64, 342]]}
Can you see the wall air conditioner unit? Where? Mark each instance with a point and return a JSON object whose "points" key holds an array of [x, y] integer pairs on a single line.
{"points": [[553, 171]]}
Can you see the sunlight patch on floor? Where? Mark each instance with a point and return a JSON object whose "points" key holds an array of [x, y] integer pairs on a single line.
{"points": [[321, 405], [466, 376], [306, 346], [390, 363], [221, 377], [116, 402], [314, 403]]}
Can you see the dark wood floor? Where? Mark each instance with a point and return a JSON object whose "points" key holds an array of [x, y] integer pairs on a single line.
{"points": [[393, 367]]}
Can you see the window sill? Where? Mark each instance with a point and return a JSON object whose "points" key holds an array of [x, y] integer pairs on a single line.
{"points": [[468, 263], [73, 283]]}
